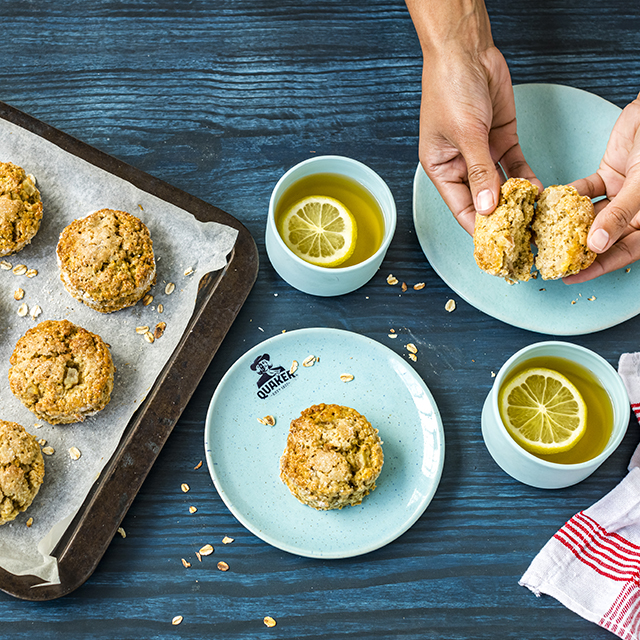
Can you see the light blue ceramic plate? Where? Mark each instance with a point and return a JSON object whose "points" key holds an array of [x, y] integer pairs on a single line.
{"points": [[243, 455], [563, 132]]}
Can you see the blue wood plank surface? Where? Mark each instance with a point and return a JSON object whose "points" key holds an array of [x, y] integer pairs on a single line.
{"points": [[219, 98]]}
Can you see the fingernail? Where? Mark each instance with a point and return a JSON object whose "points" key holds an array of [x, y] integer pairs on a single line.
{"points": [[484, 201], [599, 240]]}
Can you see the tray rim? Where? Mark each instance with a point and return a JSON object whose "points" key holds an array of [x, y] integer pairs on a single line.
{"points": [[221, 295]]}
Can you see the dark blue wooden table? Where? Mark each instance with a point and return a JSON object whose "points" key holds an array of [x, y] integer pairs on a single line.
{"points": [[219, 98]]}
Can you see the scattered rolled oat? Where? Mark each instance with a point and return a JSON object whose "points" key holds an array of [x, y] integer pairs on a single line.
{"points": [[309, 361], [198, 465], [573, 301], [223, 566], [74, 452], [160, 308], [170, 288], [148, 336], [159, 330], [185, 487], [346, 377], [198, 556], [227, 540], [42, 442], [420, 285], [23, 309], [450, 306], [29, 522], [20, 269], [403, 286], [185, 564], [207, 550], [592, 298], [628, 269], [147, 300], [411, 348], [393, 335], [36, 311], [269, 421], [391, 279], [31, 273], [48, 451], [193, 509], [142, 330], [122, 532], [5, 266], [294, 367], [493, 374], [188, 271], [176, 620], [18, 294], [269, 621]]}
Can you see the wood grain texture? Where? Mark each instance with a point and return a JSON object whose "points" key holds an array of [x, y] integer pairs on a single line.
{"points": [[219, 98]]}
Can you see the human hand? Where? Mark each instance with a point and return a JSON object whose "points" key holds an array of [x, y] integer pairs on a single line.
{"points": [[615, 233], [467, 128]]}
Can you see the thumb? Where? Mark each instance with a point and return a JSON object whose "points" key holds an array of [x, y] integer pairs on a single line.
{"points": [[614, 219], [484, 180]]}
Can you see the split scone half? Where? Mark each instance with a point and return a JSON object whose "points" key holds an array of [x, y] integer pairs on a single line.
{"points": [[560, 227], [502, 240]]}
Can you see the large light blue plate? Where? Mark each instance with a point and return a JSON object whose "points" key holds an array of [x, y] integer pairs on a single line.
{"points": [[243, 455], [563, 132]]}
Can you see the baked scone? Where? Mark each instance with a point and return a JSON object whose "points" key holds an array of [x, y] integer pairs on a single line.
{"points": [[106, 260], [61, 372], [21, 470], [332, 458], [20, 208], [560, 226], [502, 240]]}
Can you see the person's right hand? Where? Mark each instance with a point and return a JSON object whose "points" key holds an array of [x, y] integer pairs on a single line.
{"points": [[467, 128]]}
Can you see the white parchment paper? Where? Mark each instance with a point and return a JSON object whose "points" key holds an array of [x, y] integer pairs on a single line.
{"points": [[72, 188]]}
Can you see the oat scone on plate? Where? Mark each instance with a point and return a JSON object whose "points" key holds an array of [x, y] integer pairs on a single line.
{"points": [[20, 208], [502, 240], [560, 226], [61, 372], [21, 470], [332, 458], [106, 260]]}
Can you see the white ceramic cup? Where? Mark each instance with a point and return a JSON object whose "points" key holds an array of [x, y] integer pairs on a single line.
{"points": [[524, 466], [323, 281]]}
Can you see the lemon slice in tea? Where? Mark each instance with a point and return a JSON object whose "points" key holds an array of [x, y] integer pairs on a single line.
{"points": [[320, 230], [543, 411]]}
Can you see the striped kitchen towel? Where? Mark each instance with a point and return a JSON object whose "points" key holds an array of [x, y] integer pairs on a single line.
{"points": [[592, 564]]}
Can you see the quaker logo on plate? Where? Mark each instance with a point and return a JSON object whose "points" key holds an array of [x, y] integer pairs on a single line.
{"points": [[272, 378]]}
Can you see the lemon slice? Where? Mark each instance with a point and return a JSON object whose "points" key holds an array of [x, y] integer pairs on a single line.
{"points": [[543, 411], [320, 230]]}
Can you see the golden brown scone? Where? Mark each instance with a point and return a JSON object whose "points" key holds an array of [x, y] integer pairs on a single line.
{"points": [[561, 224], [61, 372], [106, 260], [20, 208], [21, 470], [332, 458], [502, 240]]}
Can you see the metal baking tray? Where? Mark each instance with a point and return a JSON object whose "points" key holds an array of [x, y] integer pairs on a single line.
{"points": [[220, 297]]}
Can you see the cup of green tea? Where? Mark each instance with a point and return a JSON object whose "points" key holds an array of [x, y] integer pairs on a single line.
{"points": [[555, 413], [330, 222]]}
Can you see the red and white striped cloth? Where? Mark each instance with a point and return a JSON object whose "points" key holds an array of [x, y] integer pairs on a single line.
{"points": [[592, 564]]}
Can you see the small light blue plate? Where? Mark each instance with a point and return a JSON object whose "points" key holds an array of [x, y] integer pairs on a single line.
{"points": [[563, 132], [244, 455]]}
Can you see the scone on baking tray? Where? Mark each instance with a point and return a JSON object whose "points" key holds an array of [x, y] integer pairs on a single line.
{"points": [[21, 470], [61, 372], [502, 239], [332, 458], [106, 260], [560, 227], [20, 208]]}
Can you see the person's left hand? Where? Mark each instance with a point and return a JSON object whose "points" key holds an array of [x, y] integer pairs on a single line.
{"points": [[615, 233]]}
